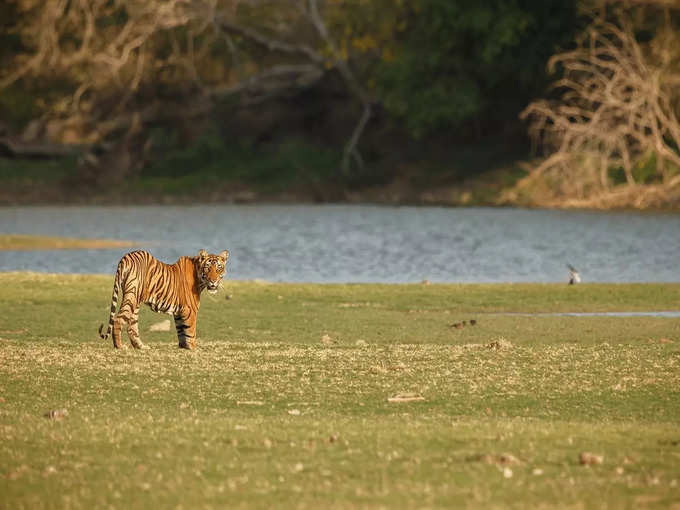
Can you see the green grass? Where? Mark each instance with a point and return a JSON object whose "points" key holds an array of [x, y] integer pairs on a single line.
{"points": [[285, 401]]}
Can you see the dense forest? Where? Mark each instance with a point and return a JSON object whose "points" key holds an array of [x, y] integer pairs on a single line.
{"points": [[531, 102]]}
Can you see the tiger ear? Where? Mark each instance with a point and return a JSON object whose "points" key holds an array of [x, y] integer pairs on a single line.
{"points": [[202, 254], [224, 255]]}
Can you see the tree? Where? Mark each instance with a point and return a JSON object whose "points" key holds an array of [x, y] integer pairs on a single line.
{"points": [[469, 64], [618, 106], [109, 68], [89, 65]]}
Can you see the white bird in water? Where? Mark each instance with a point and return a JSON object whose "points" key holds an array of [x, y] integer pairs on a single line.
{"points": [[574, 277]]}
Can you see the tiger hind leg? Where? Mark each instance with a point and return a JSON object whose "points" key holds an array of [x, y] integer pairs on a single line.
{"points": [[133, 331], [118, 321], [126, 318]]}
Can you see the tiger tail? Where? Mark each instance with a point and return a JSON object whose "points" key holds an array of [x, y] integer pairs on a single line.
{"points": [[114, 303]]}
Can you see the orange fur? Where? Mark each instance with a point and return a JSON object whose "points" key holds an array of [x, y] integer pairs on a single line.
{"points": [[174, 289]]}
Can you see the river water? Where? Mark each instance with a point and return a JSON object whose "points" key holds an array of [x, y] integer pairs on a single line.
{"points": [[357, 243]]}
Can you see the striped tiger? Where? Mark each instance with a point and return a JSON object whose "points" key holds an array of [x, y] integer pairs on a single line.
{"points": [[173, 289]]}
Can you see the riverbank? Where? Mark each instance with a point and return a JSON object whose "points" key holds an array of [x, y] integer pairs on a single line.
{"points": [[490, 191], [49, 183], [55, 182], [15, 242]]}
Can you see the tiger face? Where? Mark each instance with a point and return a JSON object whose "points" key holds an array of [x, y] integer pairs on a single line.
{"points": [[211, 269]]}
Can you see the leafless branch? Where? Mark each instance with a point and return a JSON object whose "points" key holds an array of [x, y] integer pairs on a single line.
{"points": [[116, 53], [270, 43], [271, 82], [353, 85], [616, 110]]}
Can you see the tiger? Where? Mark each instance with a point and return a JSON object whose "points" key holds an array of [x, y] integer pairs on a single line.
{"points": [[173, 289]]}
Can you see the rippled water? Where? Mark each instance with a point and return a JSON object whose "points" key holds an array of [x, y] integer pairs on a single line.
{"points": [[338, 243]]}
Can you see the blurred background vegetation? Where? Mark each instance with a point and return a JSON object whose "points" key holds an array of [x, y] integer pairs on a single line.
{"points": [[420, 101]]}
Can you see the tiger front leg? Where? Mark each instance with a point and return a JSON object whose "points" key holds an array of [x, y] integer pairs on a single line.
{"points": [[186, 330]]}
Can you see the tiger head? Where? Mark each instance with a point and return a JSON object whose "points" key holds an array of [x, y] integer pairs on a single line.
{"points": [[211, 269]]}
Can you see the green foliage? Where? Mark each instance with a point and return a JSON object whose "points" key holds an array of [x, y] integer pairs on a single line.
{"points": [[29, 172], [10, 41], [18, 105], [463, 60], [644, 171], [270, 167]]}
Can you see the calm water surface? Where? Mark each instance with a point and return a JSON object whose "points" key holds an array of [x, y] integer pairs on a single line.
{"points": [[338, 243]]}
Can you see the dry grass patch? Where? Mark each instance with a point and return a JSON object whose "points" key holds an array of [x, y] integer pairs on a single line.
{"points": [[17, 242]]}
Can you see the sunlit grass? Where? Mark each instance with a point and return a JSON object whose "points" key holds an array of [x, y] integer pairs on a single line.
{"points": [[19, 242], [285, 401]]}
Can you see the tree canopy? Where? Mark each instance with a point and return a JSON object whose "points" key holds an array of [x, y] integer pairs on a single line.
{"points": [[472, 64]]}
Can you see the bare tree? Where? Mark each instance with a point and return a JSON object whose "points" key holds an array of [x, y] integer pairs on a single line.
{"points": [[314, 61], [94, 55], [115, 54], [617, 108], [83, 43]]}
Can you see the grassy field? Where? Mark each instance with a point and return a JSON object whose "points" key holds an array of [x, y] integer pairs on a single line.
{"points": [[343, 396]]}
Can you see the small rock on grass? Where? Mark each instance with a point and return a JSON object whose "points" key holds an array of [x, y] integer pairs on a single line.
{"points": [[406, 397], [161, 326], [502, 459], [462, 324], [590, 459], [500, 345], [56, 414]]}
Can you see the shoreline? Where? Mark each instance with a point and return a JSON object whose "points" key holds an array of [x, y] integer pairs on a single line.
{"points": [[27, 242]]}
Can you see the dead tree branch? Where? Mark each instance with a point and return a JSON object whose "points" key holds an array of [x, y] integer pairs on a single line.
{"points": [[353, 85], [111, 58], [617, 109], [272, 81], [270, 43]]}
